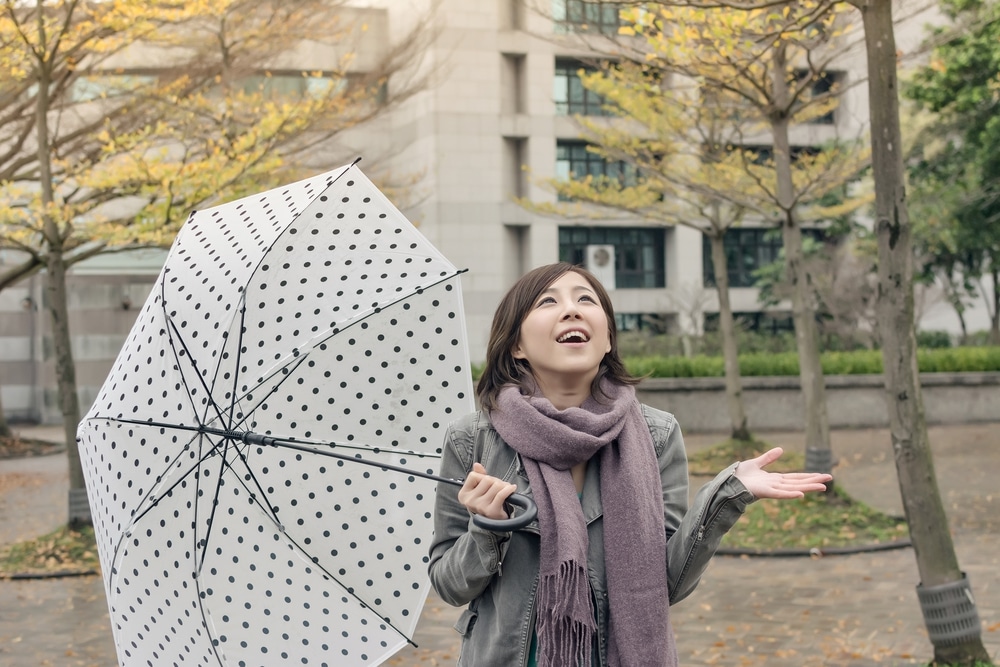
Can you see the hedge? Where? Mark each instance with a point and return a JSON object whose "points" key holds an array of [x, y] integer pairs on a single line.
{"points": [[859, 362]]}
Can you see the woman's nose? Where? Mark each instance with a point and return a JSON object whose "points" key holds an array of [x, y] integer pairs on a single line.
{"points": [[570, 310]]}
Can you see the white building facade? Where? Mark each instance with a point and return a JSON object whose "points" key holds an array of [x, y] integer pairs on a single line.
{"points": [[500, 120], [496, 120]]}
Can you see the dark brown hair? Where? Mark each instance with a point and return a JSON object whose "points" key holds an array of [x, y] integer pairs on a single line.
{"points": [[501, 366]]}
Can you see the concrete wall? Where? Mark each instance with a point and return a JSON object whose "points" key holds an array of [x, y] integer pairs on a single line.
{"points": [[853, 401], [103, 309]]}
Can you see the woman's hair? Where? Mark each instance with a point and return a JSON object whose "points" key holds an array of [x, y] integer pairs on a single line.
{"points": [[502, 368]]}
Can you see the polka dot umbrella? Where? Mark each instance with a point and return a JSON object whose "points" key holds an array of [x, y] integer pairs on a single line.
{"points": [[291, 336]]}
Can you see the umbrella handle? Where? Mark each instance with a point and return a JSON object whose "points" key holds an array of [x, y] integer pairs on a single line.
{"points": [[513, 523]]}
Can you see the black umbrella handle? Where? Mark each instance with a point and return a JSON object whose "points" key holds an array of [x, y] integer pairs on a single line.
{"points": [[515, 522]]}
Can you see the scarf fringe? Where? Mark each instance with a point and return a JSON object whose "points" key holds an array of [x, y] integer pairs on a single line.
{"points": [[565, 621]]}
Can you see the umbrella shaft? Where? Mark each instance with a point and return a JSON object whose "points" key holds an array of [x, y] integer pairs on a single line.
{"points": [[251, 438]]}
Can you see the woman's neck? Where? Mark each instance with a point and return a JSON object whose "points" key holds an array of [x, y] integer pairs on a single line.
{"points": [[564, 395]]}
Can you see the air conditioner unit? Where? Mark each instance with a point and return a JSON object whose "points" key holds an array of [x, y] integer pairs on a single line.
{"points": [[600, 260]]}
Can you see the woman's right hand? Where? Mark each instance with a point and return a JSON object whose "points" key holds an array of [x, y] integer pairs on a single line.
{"points": [[485, 495]]}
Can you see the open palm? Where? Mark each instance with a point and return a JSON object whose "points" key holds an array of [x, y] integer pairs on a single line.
{"points": [[764, 484]]}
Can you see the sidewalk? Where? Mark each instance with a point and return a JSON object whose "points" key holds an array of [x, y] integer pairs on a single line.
{"points": [[837, 611]]}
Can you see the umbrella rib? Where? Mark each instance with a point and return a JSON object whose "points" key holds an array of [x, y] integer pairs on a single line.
{"points": [[194, 531], [208, 394], [378, 309], [156, 501], [301, 356], [239, 355], [215, 504], [281, 528]]}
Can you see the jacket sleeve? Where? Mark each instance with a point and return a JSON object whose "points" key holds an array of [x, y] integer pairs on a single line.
{"points": [[694, 534], [463, 556]]}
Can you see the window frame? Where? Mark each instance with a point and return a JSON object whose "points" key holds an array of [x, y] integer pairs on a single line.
{"points": [[571, 16], [739, 269], [590, 104], [594, 165], [635, 249]]}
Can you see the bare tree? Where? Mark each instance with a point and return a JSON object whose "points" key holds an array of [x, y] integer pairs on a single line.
{"points": [[935, 551]]}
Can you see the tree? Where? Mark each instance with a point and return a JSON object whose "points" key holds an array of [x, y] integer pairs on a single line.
{"points": [[959, 86], [841, 275], [945, 254], [675, 169], [120, 117], [768, 63], [932, 542]]}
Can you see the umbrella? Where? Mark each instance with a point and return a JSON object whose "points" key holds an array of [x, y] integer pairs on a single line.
{"points": [[290, 336]]}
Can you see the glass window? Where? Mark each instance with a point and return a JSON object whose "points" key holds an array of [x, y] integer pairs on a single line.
{"points": [[570, 95], [278, 85], [822, 85], [573, 160], [639, 261], [106, 86], [585, 16], [771, 322], [746, 251]]}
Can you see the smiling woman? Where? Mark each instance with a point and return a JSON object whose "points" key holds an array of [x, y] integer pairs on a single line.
{"points": [[563, 339], [614, 544]]}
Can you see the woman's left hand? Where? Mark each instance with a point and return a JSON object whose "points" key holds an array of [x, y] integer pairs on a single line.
{"points": [[764, 484]]}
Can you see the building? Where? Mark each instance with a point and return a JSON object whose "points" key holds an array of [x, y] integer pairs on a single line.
{"points": [[498, 117], [501, 119]]}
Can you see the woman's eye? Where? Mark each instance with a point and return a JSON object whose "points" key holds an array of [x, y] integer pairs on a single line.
{"points": [[587, 297], [545, 300]]}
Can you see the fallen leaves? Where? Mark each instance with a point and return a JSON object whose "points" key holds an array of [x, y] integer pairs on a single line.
{"points": [[63, 550]]}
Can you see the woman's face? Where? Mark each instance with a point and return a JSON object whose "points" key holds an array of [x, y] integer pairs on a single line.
{"points": [[565, 334]]}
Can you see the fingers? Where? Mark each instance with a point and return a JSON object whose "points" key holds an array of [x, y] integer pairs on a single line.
{"points": [[768, 457], [485, 495]]}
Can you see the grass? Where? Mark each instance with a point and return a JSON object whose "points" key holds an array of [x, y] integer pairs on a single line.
{"points": [[818, 521], [63, 550], [713, 459]]}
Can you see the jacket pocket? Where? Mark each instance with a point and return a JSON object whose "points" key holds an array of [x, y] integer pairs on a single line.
{"points": [[466, 622]]}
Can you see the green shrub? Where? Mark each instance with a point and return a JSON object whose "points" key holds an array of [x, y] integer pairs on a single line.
{"points": [[857, 362], [933, 339]]}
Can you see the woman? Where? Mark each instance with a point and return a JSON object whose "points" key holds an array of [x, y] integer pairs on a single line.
{"points": [[591, 582]]}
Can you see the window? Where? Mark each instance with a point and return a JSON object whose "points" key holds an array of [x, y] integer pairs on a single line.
{"points": [[823, 84], [107, 86], [570, 95], [277, 85], [746, 251], [775, 322], [585, 16], [638, 252], [573, 160], [656, 323], [764, 155]]}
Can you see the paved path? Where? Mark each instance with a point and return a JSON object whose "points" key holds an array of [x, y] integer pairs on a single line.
{"points": [[836, 611]]}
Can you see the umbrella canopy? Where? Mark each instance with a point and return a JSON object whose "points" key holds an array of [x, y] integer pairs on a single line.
{"points": [[317, 314]]}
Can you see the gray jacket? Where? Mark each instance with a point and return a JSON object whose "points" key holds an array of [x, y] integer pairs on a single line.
{"points": [[496, 574]]}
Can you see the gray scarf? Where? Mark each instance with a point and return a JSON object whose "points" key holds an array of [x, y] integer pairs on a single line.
{"points": [[551, 442]]}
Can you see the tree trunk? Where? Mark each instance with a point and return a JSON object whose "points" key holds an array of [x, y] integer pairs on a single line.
{"points": [[953, 292], [819, 457], [928, 523], [995, 315], [5, 431], [56, 302], [730, 351]]}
